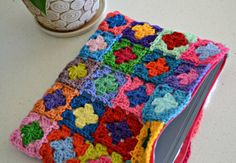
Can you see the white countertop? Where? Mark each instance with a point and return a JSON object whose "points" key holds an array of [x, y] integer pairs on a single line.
{"points": [[31, 60]]}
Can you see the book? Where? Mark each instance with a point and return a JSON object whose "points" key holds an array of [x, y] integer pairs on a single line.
{"points": [[134, 93]]}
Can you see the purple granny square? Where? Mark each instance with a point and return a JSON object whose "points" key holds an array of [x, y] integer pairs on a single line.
{"points": [[186, 76], [77, 71], [141, 33]]}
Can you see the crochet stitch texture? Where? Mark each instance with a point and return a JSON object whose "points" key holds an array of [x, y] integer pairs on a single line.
{"points": [[111, 103]]}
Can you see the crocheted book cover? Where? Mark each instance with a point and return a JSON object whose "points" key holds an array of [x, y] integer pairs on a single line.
{"points": [[113, 101]]}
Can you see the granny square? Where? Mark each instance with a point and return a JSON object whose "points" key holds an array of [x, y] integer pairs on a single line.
{"points": [[63, 145], [55, 101], [118, 130], [133, 95], [204, 52], [84, 116], [165, 103], [186, 76], [75, 73], [115, 23], [98, 45], [142, 33], [32, 133], [173, 43], [104, 84], [155, 67], [114, 100], [124, 55]]}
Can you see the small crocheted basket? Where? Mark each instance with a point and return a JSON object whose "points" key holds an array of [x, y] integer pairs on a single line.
{"points": [[112, 102]]}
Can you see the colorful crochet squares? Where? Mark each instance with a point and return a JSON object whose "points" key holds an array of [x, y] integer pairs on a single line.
{"points": [[98, 45], [186, 76], [133, 95], [124, 55], [62, 145], [32, 133], [165, 103], [112, 102]]}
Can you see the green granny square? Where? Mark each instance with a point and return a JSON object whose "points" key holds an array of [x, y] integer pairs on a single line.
{"points": [[173, 43], [124, 55]]}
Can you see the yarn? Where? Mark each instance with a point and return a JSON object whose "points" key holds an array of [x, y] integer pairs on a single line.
{"points": [[78, 71], [98, 45], [165, 104], [54, 100], [204, 52], [173, 43], [103, 84], [115, 23], [157, 67], [141, 33], [31, 132], [124, 55], [85, 116], [112, 102]]}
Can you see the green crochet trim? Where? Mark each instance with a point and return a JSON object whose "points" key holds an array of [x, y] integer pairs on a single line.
{"points": [[159, 44], [139, 50]]}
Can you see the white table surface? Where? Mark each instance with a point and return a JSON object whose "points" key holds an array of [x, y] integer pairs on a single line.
{"points": [[31, 60]]}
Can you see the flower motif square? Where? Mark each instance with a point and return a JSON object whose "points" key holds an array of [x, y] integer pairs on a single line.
{"points": [[32, 133], [63, 149], [173, 43], [77, 71], [83, 118], [103, 84], [154, 67], [141, 33], [133, 95], [205, 52], [186, 76], [55, 101], [164, 104], [124, 55], [63, 146], [117, 131], [115, 23], [99, 154], [98, 45]]}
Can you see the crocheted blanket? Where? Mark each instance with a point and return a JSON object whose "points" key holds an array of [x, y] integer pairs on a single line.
{"points": [[111, 103]]}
